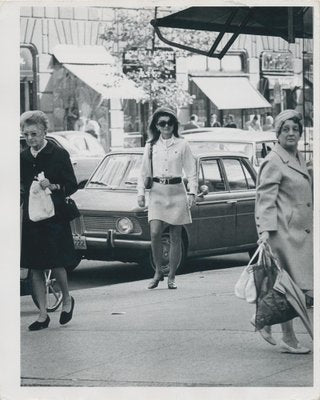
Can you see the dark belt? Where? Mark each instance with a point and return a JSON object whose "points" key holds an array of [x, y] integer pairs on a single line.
{"points": [[167, 181]]}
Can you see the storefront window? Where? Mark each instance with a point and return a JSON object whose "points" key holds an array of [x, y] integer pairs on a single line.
{"points": [[28, 74]]}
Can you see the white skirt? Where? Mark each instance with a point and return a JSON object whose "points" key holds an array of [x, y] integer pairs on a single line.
{"points": [[169, 203]]}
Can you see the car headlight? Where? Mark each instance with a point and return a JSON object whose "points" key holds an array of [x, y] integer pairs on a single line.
{"points": [[124, 225]]}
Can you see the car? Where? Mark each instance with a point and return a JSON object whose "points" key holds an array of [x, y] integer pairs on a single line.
{"points": [[112, 226], [85, 151], [255, 145]]}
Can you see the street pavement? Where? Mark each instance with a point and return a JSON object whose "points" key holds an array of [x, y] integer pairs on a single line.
{"points": [[125, 335]]}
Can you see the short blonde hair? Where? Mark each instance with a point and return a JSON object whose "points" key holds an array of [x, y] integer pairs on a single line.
{"points": [[36, 117]]}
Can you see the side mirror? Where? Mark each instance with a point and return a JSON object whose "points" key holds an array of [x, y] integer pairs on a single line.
{"points": [[203, 190]]}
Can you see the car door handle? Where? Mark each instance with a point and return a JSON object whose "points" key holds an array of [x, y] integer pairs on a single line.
{"points": [[232, 201], [74, 162]]}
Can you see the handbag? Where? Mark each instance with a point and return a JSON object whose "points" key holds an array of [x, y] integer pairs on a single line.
{"points": [[40, 203], [70, 211], [245, 287], [148, 181], [272, 306]]}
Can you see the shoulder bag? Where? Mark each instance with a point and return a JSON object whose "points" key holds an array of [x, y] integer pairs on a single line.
{"points": [[148, 180]]}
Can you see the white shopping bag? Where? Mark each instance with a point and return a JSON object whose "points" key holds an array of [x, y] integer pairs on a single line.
{"points": [[40, 202], [245, 287]]}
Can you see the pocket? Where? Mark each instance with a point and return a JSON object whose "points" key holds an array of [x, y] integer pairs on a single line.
{"points": [[300, 217]]}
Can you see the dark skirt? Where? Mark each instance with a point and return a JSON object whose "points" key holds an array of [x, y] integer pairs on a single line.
{"points": [[47, 244]]}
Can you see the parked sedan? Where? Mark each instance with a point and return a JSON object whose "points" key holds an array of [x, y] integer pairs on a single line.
{"points": [[85, 151], [113, 227], [255, 145]]}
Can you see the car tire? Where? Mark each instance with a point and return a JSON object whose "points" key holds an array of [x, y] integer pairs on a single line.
{"points": [[76, 262], [166, 247]]}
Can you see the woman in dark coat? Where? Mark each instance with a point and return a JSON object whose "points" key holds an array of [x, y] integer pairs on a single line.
{"points": [[46, 244]]}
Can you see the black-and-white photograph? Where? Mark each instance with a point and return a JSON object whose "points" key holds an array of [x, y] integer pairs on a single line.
{"points": [[167, 203]]}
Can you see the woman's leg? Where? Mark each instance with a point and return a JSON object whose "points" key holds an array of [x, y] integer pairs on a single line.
{"points": [[288, 335], [62, 279], [39, 289], [175, 250], [156, 228]]}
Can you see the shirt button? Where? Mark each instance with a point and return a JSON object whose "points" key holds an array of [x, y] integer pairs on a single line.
{"points": [[308, 204], [307, 230]]}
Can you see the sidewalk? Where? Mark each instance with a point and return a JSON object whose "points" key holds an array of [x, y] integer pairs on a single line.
{"points": [[126, 335]]}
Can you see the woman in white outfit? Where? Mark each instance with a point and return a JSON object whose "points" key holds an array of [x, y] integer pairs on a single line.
{"points": [[169, 202]]}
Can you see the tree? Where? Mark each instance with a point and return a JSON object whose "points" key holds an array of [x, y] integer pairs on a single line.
{"points": [[131, 29]]}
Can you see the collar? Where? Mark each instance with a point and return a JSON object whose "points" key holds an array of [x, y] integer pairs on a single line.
{"points": [[36, 152], [26, 154], [292, 161], [167, 142]]}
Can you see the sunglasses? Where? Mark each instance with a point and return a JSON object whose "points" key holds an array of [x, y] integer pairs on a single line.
{"points": [[162, 124]]}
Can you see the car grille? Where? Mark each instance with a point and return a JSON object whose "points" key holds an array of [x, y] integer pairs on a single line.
{"points": [[98, 224]]}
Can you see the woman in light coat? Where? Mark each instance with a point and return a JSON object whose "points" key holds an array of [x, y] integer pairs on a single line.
{"points": [[284, 214], [169, 202]]}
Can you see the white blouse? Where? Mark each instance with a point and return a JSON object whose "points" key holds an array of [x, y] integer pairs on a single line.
{"points": [[171, 158]]}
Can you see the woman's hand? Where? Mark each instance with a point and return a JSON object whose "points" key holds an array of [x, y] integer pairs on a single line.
{"points": [[191, 199], [141, 201], [44, 183], [263, 238]]}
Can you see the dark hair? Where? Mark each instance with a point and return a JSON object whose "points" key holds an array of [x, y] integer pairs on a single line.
{"points": [[36, 117], [296, 120], [154, 131], [193, 117]]}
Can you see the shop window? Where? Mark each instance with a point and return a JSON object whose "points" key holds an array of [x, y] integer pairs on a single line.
{"points": [[28, 81]]}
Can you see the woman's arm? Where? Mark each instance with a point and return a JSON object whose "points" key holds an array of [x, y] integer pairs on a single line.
{"points": [[67, 181], [269, 180], [190, 168]]}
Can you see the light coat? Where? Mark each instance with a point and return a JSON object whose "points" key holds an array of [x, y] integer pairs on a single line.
{"points": [[284, 208]]}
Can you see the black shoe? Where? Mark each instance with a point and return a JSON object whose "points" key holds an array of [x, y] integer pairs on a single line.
{"points": [[65, 316], [36, 326]]}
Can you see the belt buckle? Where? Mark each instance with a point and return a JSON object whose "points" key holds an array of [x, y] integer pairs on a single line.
{"points": [[163, 180]]}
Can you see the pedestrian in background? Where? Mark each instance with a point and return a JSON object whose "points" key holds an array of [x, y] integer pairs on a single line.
{"points": [[268, 126], [284, 214], [169, 203], [214, 122], [46, 244], [253, 124], [192, 124], [230, 122]]}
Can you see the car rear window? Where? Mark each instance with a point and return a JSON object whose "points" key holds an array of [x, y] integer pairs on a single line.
{"points": [[206, 146]]}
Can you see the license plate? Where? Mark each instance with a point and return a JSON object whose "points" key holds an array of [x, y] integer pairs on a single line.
{"points": [[79, 242]]}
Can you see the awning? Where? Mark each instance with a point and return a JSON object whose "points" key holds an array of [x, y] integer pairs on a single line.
{"points": [[94, 66], [285, 22], [229, 93]]}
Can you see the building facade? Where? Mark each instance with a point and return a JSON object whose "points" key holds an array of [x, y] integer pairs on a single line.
{"points": [[273, 75]]}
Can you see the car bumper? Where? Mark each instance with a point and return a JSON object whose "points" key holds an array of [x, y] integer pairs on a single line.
{"points": [[84, 243]]}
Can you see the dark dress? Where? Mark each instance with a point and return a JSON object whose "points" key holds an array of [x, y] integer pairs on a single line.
{"points": [[48, 243]]}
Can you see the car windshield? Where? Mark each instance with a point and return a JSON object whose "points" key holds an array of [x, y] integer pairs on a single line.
{"points": [[208, 146], [80, 145], [117, 171]]}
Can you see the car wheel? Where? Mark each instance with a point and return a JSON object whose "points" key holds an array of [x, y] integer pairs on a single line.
{"points": [[76, 262], [165, 255]]}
